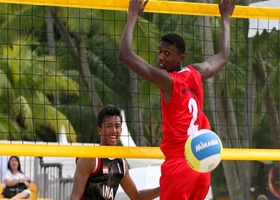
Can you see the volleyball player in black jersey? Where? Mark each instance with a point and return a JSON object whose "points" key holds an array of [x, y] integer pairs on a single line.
{"points": [[99, 178]]}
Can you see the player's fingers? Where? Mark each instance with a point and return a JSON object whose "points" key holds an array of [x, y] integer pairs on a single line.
{"points": [[145, 3]]}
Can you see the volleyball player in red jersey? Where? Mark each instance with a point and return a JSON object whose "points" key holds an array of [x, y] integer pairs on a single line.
{"points": [[181, 99]]}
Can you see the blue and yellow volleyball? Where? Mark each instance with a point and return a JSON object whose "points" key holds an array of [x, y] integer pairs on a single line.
{"points": [[203, 150]]}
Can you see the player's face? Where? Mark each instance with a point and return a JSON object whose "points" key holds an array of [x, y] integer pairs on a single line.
{"points": [[169, 58], [110, 131]]}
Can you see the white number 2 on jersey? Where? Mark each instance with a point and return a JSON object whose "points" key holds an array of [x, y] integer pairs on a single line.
{"points": [[194, 110]]}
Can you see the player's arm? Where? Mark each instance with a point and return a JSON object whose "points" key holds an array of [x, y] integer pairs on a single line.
{"points": [[83, 170], [130, 189], [212, 65], [131, 60]]}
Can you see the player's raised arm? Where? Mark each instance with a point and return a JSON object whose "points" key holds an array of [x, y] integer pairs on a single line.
{"points": [[126, 55], [212, 65]]}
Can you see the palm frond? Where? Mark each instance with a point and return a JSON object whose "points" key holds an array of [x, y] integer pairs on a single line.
{"points": [[9, 128]]}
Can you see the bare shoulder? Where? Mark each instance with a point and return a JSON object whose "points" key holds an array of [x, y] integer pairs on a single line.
{"points": [[126, 167], [202, 68], [87, 163]]}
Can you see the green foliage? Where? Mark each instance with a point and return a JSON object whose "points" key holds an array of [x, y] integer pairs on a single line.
{"points": [[29, 80]]}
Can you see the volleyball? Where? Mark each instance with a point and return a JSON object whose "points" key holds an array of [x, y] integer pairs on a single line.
{"points": [[203, 150]]}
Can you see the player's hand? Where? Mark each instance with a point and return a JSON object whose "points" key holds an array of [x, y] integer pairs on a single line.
{"points": [[226, 7], [137, 6]]}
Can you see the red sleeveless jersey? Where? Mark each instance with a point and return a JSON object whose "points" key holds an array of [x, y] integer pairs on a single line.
{"points": [[183, 115]]}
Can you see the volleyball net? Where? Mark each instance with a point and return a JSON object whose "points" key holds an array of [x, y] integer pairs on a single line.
{"points": [[164, 7], [59, 66]]}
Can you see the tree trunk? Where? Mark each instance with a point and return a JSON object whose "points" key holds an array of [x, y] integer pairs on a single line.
{"points": [[86, 75], [218, 112], [52, 47], [272, 114], [50, 34], [137, 116], [247, 132], [79, 56], [241, 167]]}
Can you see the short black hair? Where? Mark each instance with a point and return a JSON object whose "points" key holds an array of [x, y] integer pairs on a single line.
{"points": [[176, 40], [108, 110]]}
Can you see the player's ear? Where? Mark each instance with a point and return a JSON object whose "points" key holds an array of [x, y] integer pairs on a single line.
{"points": [[181, 57], [98, 130]]}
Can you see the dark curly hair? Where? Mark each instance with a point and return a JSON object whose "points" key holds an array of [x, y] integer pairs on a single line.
{"points": [[108, 110], [175, 40]]}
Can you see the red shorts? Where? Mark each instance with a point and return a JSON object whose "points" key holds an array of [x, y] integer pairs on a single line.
{"points": [[178, 181]]}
